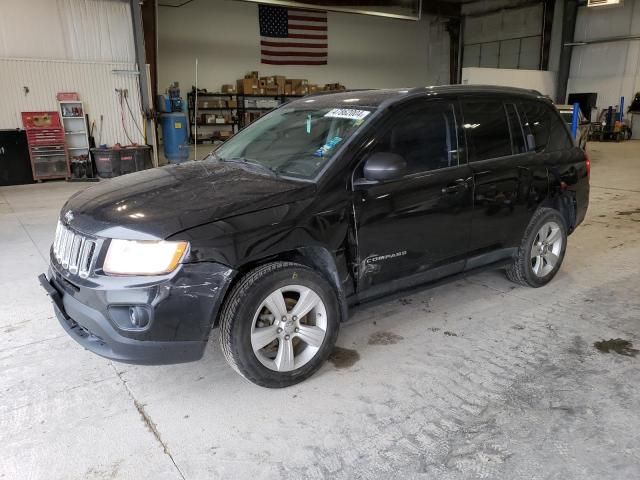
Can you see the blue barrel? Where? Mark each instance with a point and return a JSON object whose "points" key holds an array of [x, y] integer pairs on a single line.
{"points": [[174, 136]]}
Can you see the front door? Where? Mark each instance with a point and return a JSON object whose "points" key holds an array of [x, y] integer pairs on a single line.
{"points": [[418, 224]]}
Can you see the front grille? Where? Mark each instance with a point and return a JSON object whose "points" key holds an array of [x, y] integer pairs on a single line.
{"points": [[73, 251]]}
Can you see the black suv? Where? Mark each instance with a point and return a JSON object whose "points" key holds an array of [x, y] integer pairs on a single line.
{"points": [[326, 202]]}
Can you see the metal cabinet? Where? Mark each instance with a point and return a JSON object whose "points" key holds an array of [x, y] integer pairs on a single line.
{"points": [[47, 147]]}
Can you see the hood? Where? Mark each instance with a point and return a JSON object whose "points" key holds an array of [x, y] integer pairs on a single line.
{"points": [[157, 203]]}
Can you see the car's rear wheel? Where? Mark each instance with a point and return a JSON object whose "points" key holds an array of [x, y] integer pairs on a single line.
{"points": [[279, 324], [542, 250]]}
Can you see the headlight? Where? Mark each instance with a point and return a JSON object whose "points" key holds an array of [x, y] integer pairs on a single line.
{"points": [[132, 257]]}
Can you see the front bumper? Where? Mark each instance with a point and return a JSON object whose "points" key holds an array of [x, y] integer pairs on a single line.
{"points": [[182, 307]]}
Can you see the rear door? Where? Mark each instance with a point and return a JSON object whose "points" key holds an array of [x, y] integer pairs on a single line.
{"points": [[507, 182], [556, 153], [420, 222]]}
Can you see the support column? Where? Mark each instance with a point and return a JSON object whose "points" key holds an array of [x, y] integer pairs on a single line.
{"points": [[145, 97], [454, 28], [568, 31]]}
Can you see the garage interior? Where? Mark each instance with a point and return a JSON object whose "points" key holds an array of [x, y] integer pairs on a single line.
{"points": [[474, 378]]}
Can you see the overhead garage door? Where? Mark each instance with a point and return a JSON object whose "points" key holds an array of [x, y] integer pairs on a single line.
{"points": [[509, 38]]}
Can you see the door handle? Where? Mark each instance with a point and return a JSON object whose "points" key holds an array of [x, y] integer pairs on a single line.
{"points": [[459, 184]]}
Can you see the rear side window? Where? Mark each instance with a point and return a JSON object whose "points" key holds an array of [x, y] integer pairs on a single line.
{"points": [[487, 129], [546, 126], [559, 138]]}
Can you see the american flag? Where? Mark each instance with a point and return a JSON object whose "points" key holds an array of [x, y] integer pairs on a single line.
{"points": [[292, 37]]}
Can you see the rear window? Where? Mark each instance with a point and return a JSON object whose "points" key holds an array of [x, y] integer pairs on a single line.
{"points": [[487, 129]]}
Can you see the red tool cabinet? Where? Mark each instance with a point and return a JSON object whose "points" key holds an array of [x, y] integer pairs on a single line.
{"points": [[47, 147]]}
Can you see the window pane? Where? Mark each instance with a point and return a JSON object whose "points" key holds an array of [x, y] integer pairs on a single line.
{"points": [[559, 138], [546, 126], [509, 53], [517, 136], [489, 55], [425, 137], [471, 57], [487, 130], [530, 53], [537, 121]]}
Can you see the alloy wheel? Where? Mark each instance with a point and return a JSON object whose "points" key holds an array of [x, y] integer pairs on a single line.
{"points": [[288, 328], [546, 248]]}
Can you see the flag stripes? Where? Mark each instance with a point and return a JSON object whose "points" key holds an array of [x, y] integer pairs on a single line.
{"points": [[292, 37]]}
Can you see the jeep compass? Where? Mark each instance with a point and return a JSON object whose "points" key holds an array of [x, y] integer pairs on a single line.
{"points": [[327, 202]]}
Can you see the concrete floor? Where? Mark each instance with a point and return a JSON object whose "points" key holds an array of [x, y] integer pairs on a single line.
{"points": [[474, 379]]}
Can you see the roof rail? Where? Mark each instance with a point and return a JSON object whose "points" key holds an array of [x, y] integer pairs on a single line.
{"points": [[494, 88], [329, 92]]}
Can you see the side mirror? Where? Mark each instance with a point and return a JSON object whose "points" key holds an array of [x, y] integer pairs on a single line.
{"points": [[384, 166]]}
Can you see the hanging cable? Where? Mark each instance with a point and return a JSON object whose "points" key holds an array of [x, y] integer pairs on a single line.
{"points": [[133, 117], [124, 127]]}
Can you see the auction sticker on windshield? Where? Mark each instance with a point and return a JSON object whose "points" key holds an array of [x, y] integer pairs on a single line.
{"points": [[347, 113]]}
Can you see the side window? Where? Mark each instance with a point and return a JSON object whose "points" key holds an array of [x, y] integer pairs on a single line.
{"points": [[486, 129], [537, 121], [559, 138], [547, 127], [517, 135], [425, 136]]}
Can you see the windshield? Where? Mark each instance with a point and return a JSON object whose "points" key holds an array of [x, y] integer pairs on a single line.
{"points": [[295, 141]]}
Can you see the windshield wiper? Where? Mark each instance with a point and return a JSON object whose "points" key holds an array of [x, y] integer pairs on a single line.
{"points": [[249, 161]]}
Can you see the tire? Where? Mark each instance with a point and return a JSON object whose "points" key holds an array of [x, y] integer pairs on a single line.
{"points": [[299, 348], [531, 269]]}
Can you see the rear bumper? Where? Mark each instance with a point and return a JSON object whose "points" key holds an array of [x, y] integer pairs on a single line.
{"points": [[182, 313]]}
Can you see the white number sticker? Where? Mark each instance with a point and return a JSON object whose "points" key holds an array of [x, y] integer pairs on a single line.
{"points": [[347, 113]]}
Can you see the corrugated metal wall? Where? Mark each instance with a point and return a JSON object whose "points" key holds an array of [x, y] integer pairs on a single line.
{"points": [[95, 82], [611, 69], [508, 38], [52, 46], [88, 30]]}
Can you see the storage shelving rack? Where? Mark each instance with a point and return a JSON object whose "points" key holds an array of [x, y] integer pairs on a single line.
{"points": [[47, 147], [75, 129], [194, 123], [243, 109]]}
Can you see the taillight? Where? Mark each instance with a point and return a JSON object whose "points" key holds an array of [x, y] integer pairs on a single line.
{"points": [[587, 163]]}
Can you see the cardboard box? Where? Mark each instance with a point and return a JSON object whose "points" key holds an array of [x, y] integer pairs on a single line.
{"points": [[253, 74], [280, 80], [232, 103], [288, 89], [271, 90], [248, 86], [228, 88]]}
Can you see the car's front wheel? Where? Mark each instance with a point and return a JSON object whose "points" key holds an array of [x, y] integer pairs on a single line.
{"points": [[541, 251], [279, 324]]}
